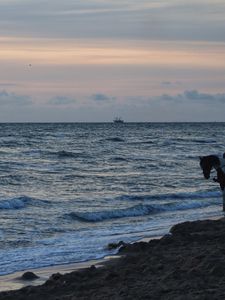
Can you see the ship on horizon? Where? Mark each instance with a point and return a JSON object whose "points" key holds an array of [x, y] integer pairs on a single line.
{"points": [[118, 120]]}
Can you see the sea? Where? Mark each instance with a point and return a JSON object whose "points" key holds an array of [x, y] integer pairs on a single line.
{"points": [[67, 190]]}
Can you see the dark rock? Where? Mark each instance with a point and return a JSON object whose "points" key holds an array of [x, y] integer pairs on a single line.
{"points": [[166, 239], [29, 276], [56, 276], [115, 245], [134, 248], [93, 268]]}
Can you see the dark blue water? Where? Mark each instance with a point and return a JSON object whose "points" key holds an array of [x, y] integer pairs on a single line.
{"points": [[67, 190]]}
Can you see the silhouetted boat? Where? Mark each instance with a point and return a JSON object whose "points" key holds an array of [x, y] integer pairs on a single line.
{"points": [[118, 121]]}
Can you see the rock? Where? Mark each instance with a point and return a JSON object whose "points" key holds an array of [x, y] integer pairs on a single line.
{"points": [[56, 276], [115, 245], [134, 248], [93, 268], [29, 276], [166, 239]]}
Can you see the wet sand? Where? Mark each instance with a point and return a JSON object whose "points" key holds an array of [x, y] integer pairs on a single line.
{"points": [[14, 281], [188, 263]]}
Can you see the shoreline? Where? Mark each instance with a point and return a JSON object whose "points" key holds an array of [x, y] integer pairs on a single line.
{"points": [[187, 264], [13, 281]]}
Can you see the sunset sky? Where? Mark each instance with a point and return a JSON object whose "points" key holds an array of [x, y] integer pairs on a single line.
{"points": [[146, 60]]}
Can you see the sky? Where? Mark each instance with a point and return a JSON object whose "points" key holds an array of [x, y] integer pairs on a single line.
{"points": [[93, 60]]}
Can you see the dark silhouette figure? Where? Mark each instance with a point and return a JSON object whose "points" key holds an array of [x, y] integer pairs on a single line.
{"points": [[207, 163]]}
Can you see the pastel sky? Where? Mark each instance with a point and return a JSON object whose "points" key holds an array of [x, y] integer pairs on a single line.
{"points": [[146, 60]]}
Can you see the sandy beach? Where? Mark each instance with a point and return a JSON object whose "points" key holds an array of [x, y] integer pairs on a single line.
{"points": [[15, 280], [188, 263]]}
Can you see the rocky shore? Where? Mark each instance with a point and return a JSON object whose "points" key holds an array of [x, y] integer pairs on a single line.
{"points": [[188, 263]]}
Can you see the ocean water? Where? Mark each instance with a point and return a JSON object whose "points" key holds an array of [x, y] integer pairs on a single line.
{"points": [[67, 190]]}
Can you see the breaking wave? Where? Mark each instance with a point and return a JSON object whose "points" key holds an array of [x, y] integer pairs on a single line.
{"points": [[21, 202], [138, 210]]}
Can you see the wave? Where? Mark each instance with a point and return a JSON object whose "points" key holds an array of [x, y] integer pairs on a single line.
{"points": [[171, 196], [58, 154], [10, 143], [115, 139], [118, 159], [142, 142], [138, 210], [21, 202], [147, 142], [67, 154], [193, 140], [64, 153], [202, 141]]}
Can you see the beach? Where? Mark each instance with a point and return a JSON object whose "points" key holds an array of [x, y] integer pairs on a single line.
{"points": [[112, 150], [68, 190], [187, 263]]}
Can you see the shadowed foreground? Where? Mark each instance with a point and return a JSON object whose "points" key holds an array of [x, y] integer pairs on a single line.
{"points": [[188, 264]]}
